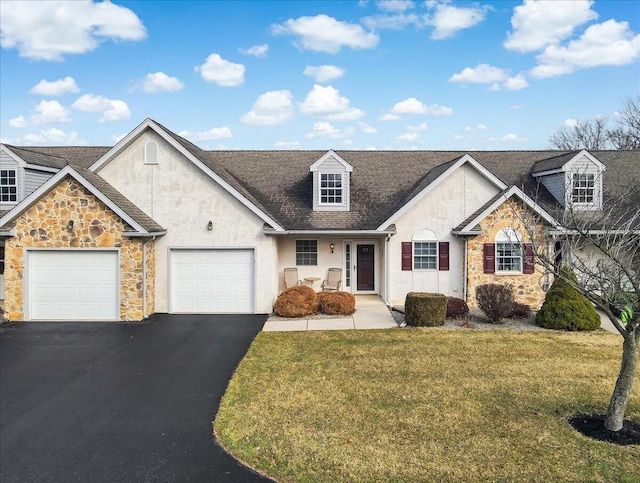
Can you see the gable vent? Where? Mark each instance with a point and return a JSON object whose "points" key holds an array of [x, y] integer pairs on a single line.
{"points": [[151, 153]]}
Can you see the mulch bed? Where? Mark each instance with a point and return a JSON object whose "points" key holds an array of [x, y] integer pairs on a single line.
{"points": [[592, 426]]}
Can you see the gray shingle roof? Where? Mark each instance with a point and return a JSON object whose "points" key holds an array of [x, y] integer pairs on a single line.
{"points": [[59, 156], [553, 163]]}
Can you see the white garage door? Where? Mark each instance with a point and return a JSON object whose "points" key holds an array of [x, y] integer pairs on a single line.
{"points": [[73, 285], [211, 280]]}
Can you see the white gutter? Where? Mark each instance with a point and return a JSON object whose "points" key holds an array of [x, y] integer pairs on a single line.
{"points": [[137, 234], [594, 232], [330, 232]]}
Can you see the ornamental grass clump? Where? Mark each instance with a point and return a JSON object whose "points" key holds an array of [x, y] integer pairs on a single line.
{"points": [[567, 309], [456, 308], [336, 303], [422, 309], [297, 301], [495, 300]]}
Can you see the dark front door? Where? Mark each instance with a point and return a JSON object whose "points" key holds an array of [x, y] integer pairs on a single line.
{"points": [[365, 263]]}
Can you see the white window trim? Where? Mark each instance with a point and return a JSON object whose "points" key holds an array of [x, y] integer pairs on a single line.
{"points": [[295, 252], [17, 176], [596, 204], [413, 260], [504, 236], [342, 189], [146, 157]]}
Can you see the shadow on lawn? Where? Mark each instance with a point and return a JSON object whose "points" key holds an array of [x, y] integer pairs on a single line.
{"points": [[592, 426]]}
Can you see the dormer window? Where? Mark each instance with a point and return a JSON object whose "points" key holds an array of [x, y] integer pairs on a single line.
{"points": [[583, 187], [8, 186], [331, 189]]}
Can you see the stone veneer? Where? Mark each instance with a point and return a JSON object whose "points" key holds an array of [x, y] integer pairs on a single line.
{"points": [[526, 287], [43, 225]]}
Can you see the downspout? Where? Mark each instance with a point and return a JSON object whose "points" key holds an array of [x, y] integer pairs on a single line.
{"points": [[387, 276], [466, 275]]}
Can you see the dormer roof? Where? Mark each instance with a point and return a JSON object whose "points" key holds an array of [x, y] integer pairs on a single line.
{"points": [[330, 154], [563, 163]]}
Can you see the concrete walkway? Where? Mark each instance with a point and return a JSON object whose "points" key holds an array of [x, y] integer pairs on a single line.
{"points": [[371, 313]]}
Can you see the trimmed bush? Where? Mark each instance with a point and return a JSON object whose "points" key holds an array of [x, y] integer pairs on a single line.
{"points": [[336, 303], [297, 301], [567, 309], [456, 308], [519, 311], [495, 300], [424, 309]]}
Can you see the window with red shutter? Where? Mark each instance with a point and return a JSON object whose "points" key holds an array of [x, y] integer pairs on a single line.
{"points": [[443, 256]]}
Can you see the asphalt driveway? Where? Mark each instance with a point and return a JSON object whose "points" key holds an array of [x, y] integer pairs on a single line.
{"points": [[119, 402]]}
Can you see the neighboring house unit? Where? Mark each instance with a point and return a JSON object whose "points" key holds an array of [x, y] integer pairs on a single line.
{"points": [[156, 224]]}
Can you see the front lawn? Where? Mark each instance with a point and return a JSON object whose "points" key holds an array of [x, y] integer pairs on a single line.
{"points": [[425, 405]]}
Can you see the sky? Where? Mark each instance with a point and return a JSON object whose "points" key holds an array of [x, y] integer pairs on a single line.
{"points": [[391, 74]]}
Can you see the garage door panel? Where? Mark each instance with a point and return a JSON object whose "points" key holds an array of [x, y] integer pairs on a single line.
{"points": [[73, 285], [211, 280]]}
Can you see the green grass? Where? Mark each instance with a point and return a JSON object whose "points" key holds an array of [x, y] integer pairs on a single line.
{"points": [[425, 405]]}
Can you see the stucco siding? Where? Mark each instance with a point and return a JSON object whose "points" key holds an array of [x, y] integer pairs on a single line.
{"points": [[450, 203], [183, 199]]}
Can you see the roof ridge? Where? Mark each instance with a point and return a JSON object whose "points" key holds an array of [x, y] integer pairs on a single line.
{"points": [[31, 150]]}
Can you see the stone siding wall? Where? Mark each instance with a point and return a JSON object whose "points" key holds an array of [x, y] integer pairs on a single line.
{"points": [[526, 287], [44, 225], [150, 260]]}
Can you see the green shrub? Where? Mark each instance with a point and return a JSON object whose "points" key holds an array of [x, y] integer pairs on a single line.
{"points": [[456, 308], [336, 303], [425, 309], [297, 301], [519, 311], [566, 308], [495, 300]]}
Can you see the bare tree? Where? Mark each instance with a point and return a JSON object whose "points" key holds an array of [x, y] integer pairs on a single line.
{"points": [[595, 134], [603, 249], [590, 135]]}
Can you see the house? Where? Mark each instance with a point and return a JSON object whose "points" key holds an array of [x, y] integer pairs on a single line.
{"points": [[155, 224]]}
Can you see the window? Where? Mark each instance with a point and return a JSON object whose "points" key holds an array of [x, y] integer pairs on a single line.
{"points": [[330, 188], [1, 259], [583, 188], [508, 251], [8, 186], [425, 256], [306, 252], [347, 263]]}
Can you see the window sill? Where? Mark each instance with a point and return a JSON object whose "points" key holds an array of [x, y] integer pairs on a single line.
{"points": [[508, 273]]}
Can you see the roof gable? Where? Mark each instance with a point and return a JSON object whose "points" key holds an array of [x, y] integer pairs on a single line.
{"points": [[563, 163], [330, 154], [113, 199]]}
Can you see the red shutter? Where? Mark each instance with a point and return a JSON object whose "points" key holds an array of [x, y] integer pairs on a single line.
{"points": [[489, 257], [529, 259], [407, 255], [443, 256]]}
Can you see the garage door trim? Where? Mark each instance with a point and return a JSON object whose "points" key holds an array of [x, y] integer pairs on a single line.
{"points": [[26, 296], [171, 250]]}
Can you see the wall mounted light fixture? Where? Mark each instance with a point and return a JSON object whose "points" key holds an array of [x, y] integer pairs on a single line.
{"points": [[70, 225], [210, 225], [332, 247]]}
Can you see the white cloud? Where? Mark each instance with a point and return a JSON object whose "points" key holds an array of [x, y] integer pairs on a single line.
{"points": [[270, 109], [326, 34], [395, 5], [391, 22], [420, 128], [215, 133], [18, 122], [116, 138], [516, 83], [448, 20], [324, 73], [50, 112], [327, 102], [570, 122], [389, 117], [607, 43], [479, 127], [458, 136], [160, 82], [55, 88], [255, 50], [45, 137], [537, 24], [347, 142], [511, 138], [222, 72], [323, 129], [287, 144], [111, 109], [48, 30], [516, 106], [407, 137], [365, 128], [482, 74], [414, 106]]}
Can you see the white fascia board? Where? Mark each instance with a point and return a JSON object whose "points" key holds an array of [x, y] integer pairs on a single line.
{"points": [[37, 167], [464, 159], [21, 162], [331, 232], [548, 172], [135, 234], [586, 154], [148, 123], [330, 154], [514, 190], [51, 183], [10, 233]]}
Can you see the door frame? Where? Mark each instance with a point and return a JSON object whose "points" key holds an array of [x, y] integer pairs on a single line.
{"points": [[376, 267]]}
